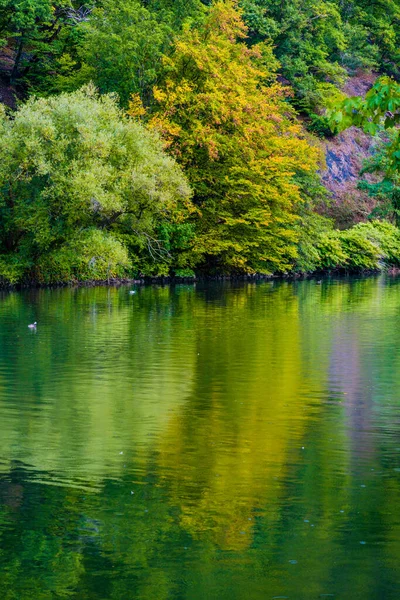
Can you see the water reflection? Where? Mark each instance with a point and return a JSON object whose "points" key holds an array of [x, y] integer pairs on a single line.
{"points": [[211, 441]]}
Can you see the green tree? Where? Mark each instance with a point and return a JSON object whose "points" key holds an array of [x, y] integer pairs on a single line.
{"points": [[306, 36], [380, 108], [319, 42], [122, 44], [58, 46], [373, 33], [79, 184], [228, 123], [31, 28], [122, 47]]}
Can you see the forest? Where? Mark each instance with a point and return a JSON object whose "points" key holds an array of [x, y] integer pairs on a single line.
{"points": [[184, 138]]}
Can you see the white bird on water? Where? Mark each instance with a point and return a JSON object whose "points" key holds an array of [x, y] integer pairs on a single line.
{"points": [[32, 325]]}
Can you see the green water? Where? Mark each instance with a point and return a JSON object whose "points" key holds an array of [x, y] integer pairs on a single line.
{"points": [[222, 442]]}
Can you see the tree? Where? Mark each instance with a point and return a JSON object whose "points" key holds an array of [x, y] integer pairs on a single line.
{"points": [[306, 35], [379, 108], [320, 42], [61, 45], [122, 45], [227, 122], [31, 28], [80, 184], [374, 32]]}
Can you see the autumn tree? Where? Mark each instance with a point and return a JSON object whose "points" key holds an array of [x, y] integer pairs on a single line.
{"points": [[226, 120]]}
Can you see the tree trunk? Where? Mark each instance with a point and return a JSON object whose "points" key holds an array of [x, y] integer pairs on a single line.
{"points": [[14, 72]]}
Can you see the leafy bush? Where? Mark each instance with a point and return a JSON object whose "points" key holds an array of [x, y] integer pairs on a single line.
{"points": [[361, 254], [78, 181], [384, 236], [364, 247], [312, 227], [91, 255]]}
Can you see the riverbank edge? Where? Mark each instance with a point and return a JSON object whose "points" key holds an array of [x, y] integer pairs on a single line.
{"points": [[171, 280]]}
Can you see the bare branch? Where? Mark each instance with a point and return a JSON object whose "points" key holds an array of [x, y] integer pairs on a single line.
{"points": [[78, 15]]}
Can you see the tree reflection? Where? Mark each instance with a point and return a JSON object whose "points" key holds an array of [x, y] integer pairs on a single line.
{"points": [[198, 442]]}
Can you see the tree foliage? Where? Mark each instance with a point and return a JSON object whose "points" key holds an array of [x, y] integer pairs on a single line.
{"points": [[306, 36], [61, 44], [371, 246], [227, 122], [379, 108], [36, 31], [318, 42], [116, 44], [121, 48], [79, 185]]}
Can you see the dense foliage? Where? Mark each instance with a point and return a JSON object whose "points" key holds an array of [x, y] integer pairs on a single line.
{"points": [[80, 184], [371, 246], [318, 41], [89, 191], [118, 44], [122, 45], [238, 143]]}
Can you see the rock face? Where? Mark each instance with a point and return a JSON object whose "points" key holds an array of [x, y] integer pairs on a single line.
{"points": [[345, 155], [360, 83]]}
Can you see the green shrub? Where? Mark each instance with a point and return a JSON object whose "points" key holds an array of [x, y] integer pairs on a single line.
{"points": [[91, 255], [361, 253], [365, 247], [331, 252], [386, 237], [312, 227]]}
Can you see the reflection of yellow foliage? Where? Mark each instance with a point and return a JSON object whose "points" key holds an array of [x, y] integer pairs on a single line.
{"points": [[208, 396], [235, 451]]}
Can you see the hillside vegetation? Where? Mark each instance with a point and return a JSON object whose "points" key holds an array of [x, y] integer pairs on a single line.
{"points": [[160, 137]]}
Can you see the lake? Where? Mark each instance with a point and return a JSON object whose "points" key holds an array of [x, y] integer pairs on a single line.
{"points": [[224, 441]]}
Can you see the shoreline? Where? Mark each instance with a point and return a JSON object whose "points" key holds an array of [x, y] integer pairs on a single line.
{"points": [[143, 281]]}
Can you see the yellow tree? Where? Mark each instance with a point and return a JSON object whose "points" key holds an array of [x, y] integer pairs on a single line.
{"points": [[225, 118]]}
